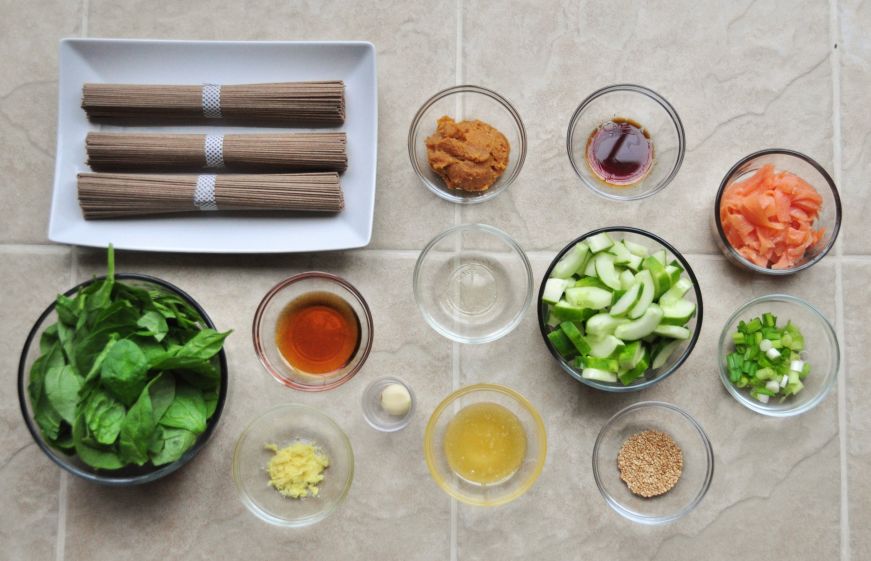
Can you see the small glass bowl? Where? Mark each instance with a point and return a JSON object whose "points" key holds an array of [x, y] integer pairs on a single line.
{"points": [[472, 283], [479, 494], [822, 352], [463, 103], [677, 358], [129, 475], [269, 310], [807, 169], [698, 462], [282, 426], [377, 417], [651, 111]]}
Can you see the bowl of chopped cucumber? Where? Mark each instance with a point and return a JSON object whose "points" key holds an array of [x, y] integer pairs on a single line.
{"points": [[620, 309], [778, 355]]}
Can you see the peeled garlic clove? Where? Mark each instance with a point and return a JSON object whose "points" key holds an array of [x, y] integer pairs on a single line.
{"points": [[395, 400]]}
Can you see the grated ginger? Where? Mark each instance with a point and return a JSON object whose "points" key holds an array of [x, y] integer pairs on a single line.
{"points": [[296, 470]]}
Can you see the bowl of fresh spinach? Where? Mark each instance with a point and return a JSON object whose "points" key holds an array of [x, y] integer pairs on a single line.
{"points": [[122, 379]]}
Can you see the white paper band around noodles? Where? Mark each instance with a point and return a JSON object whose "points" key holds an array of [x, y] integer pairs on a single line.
{"points": [[212, 101], [204, 194], [214, 150]]}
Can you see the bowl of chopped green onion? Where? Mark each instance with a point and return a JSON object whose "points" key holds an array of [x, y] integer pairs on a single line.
{"points": [[779, 355]]}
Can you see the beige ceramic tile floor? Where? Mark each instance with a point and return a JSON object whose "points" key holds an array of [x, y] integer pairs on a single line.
{"points": [[743, 75]]}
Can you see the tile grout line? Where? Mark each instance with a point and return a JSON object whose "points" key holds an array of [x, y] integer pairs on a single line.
{"points": [[835, 35], [62, 494], [455, 347]]}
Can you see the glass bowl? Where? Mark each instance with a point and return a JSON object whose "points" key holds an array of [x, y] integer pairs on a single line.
{"points": [[282, 426], [375, 415], [266, 318], [651, 111], [478, 494], [461, 103], [807, 169], [822, 352], [472, 283], [698, 462], [677, 358], [131, 475]]}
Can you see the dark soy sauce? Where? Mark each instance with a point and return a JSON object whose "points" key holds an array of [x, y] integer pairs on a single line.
{"points": [[620, 152]]}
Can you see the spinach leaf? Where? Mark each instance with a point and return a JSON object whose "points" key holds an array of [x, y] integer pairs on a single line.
{"points": [[65, 337], [103, 415], [187, 410], [93, 454], [211, 399], [136, 430], [153, 324], [51, 359], [123, 371], [98, 361], [48, 338], [47, 418], [162, 393], [67, 310], [175, 442], [203, 346], [62, 385]]}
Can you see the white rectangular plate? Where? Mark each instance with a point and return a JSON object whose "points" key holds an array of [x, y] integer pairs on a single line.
{"points": [[197, 62]]}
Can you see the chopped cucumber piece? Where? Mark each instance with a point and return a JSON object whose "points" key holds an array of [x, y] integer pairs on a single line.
{"points": [[627, 279], [600, 242], [574, 259], [629, 298], [590, 268], [660, 256], [637, 371], [589, 297], [561, 343], [567, 312], [574, 335], [672, 331], [609, 364], [619, 251], [603, 324], [635, 262], [553, 290], [677, 291], [678, 313], [591, 281], [661, 279], [630, 355], [662, 354], [603, 347], [641, 327], [673, 273], [636, 248], [552, 319], [606, 272], [645, 299], [599, 375]]}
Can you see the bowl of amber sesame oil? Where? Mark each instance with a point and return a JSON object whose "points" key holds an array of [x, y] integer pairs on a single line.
{"points": [[653, 463]]}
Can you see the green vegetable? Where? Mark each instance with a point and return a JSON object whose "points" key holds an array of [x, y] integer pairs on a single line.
{"points": [[767, 359], [125, 376], [617, 310]]}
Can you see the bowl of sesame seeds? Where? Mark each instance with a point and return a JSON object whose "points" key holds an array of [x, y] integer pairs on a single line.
{"points": [[652, 462]]}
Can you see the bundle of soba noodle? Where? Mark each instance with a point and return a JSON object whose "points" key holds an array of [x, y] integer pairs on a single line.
{"points": [[118, 195], [194, 152], [318, 103]]}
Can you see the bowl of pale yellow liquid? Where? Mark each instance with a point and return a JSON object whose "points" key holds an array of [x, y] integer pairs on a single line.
{"points": [[485, 445]]}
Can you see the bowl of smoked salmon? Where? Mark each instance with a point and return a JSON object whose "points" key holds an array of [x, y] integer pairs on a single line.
{"points": [[777, 212]]}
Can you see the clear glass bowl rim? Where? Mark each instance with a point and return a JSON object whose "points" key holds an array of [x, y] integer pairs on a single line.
{"points": [[631, 514], [619, 388], [466, 88], [264, 303], [751, 403], [270, 518], [429, 436], [669, 109], [162, 471], [509, 327], [740, 258]]}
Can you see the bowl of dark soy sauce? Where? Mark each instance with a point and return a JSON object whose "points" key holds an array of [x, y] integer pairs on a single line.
{"points": [[625, 142]]}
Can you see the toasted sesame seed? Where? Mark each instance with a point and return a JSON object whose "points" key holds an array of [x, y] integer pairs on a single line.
{"points": [[650, 462]]}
